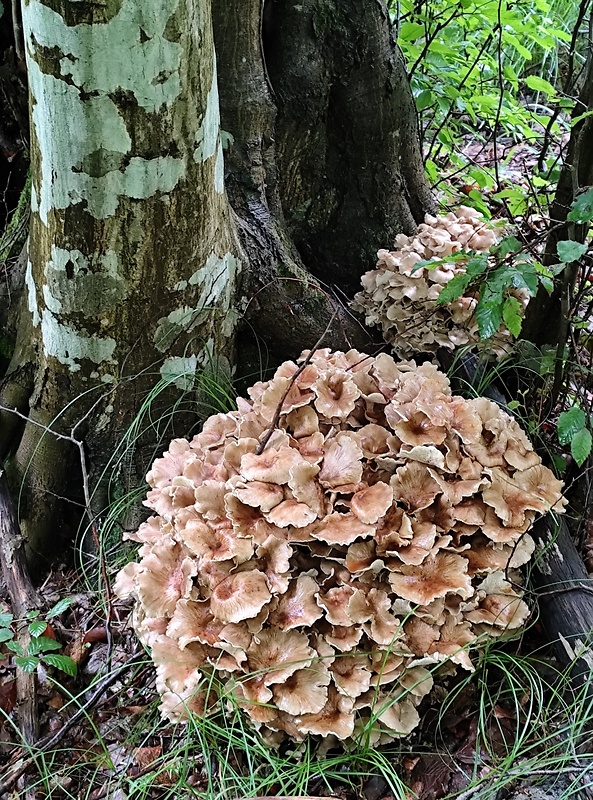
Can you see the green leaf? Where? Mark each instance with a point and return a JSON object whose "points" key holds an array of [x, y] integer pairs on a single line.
{"points": [[575, 120], [540, 85], [512, 314], [569, 251], [580, 446], [59, 608], [569, 423], [27, 663], [582, 208], [42, 645], [454, 289], [15, 647], [63, 663], [510, 244], [424, 99], [547, 283], [488, 316], [37, 628], [6, 634], [5, 620]]}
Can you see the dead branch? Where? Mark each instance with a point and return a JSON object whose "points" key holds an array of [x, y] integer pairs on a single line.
{"points": [[23, 598]]}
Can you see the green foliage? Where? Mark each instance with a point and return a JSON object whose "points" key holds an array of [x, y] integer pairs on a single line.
{"points": [[40, 648], [569, 251], [462, 82], [582, 208], [496, 276], [572, 429]]}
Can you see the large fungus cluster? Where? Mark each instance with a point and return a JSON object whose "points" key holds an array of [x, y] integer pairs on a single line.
{"points": [[400, 295], [318, 549]]}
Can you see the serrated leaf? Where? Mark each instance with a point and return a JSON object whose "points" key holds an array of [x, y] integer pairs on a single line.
{"points": [[488, 316], [6, 634], [547, 283], [454, 289], [15, 647], [510, 244], [42, 645], [27, 663], [569, 423], [580, 446], [582, 208], [59, 608], [63, 663], [569, 251], [5, 620], [512, 314], [37, 628], [476, 266], [540, 85]]}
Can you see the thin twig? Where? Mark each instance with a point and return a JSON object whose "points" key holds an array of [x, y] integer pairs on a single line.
{"points": [[274, 423]]}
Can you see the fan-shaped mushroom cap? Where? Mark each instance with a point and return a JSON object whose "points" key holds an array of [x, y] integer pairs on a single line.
{"points": [[336, 394], [435, 577], [164, 577], [414, 486], [336, 717], [258, 494], [240, 596], [304, 692], [544, 488], [372, 502], [399, 718], [501, 607], [351, 674], [297, 607], [341, 529], [278, 654], [341, 462]]}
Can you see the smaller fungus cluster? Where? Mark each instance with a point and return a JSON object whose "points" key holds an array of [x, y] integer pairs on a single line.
{"points": [[400, 297], [321, 548]]}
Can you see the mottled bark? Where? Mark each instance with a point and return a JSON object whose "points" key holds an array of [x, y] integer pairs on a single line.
{"points": [[133, 256]]}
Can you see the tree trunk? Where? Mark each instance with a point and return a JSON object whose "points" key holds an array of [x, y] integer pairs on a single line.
{"points": [[545, 322], [139, 269]]}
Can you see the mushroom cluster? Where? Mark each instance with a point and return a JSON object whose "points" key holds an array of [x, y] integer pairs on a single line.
{"points": [[399, 294], [317, 551]]}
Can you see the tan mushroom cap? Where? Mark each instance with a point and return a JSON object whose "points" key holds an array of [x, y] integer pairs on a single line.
{"points": [[164, 577], [297, 607], [341, 529], [435, 577], [341, 462], [272, 466], [336, 394], [303, 692], [336, 717], [240, 596], [372, 502], [277, 654]]}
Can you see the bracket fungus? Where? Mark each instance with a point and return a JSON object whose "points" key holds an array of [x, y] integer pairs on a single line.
{"points": [[400, 294], [321, 569]]}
